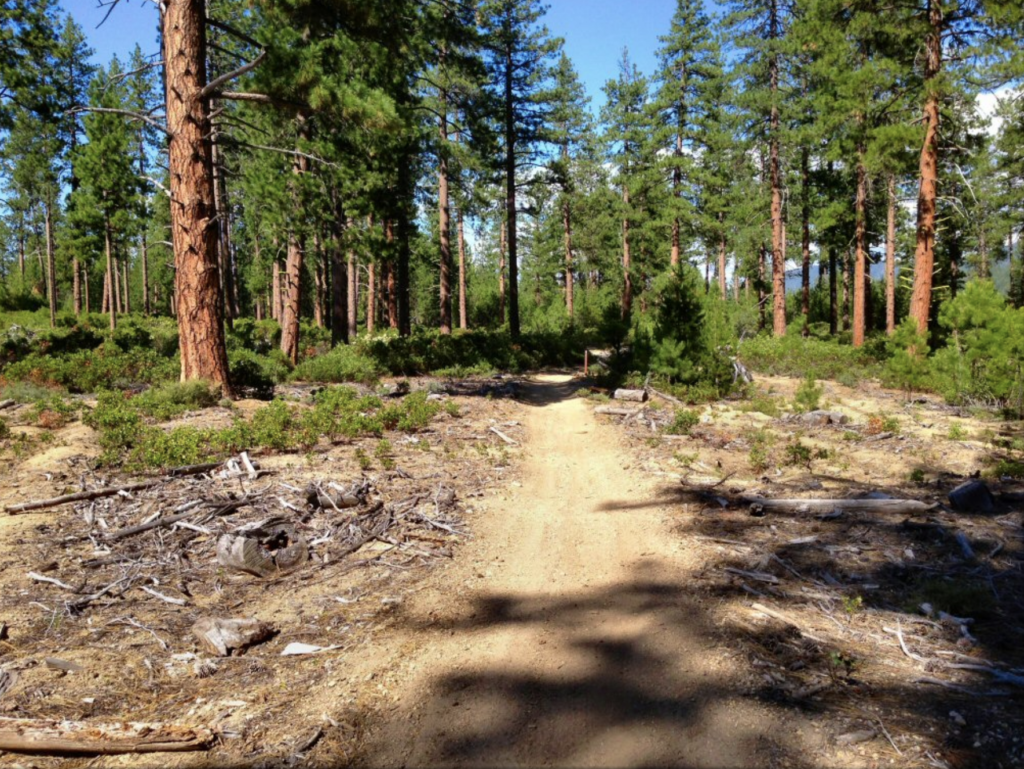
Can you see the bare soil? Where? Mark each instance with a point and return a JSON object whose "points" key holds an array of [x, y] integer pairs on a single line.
{"points": [[589, 618]]}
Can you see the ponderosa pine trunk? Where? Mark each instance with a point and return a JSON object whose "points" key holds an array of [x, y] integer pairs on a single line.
{"points": [[570, 287], [890, 258], [501, 275], [319, 282], [860, 250], [339, 282], [126, 285], [924, 252], [390, 279], [722, 256], [510, 198], [109, 284], [197, 279], [444, 220], [762, 294], [847, 268], [461, 233], [371, 296], [805, 241], [775, 177], [76, 285], [353, 291], [291, 294], [85, 289], [223, 233], [51, 267], [627, 260]]}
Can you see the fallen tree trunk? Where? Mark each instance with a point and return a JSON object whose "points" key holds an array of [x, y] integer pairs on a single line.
{"points": [[81, 496], [28, 735], [896, 506], [616, 411], [638, 396], [85, 496]]}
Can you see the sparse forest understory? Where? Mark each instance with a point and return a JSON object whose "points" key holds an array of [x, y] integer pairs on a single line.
{"points": [[333, 194]]}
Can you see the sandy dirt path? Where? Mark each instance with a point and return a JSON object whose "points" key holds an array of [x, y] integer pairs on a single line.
{"points": [[574, 639]]}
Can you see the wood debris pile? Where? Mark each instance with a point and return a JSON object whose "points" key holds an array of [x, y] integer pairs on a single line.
{"points": [[161, 540]]}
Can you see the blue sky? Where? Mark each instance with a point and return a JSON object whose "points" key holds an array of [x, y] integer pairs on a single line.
{"points": [[595, 32]]}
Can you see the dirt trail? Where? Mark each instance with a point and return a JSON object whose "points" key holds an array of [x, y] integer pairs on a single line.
{"points": [[578, 641]]}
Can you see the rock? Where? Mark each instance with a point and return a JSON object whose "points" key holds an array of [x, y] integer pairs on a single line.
{"points": [[821, 418], [853, 738], [972, 497], [222, 636]]}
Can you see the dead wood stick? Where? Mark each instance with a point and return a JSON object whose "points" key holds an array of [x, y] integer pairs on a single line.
{"points": [[28, 735], [504, 437], [616, 411], [898, 632], [757, 576], [168, 520], [85, 496], [40, 578], [81, 496], [898, 506], [165, 598], [783, 618], [666, 396], [6, 404]]}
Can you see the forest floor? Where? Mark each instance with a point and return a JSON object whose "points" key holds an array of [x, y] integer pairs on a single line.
{"points": [[594, 600]]}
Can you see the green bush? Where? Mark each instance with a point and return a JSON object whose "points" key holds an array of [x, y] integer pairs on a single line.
{"points": [[683, 422], [174, 398], [795, 356], [254, 374], [344, 363], [808, 395]]}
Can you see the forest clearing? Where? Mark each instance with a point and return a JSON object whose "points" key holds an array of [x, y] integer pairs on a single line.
{"points": [[426, 382], [545, 584]]}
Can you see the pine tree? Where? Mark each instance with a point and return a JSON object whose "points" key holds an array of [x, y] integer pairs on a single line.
{"points": [[689, 69], [519, 51], [570, 131], [627, 128], [759, 28], [104, 166]]}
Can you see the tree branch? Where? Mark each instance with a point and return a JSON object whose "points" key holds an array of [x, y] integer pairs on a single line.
{"points": [[213, 85], [126, 113]]}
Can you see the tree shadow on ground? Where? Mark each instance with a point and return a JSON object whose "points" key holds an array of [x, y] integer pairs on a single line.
{"points": [[618, 675], [860, 576]]}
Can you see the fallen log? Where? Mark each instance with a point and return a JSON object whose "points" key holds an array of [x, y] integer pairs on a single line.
{"points": [[27, 735], [616, 411], [168, 520], [897, 506], [81, 496], [110, 491], [639, 396], [6, 404], [502, 435]]}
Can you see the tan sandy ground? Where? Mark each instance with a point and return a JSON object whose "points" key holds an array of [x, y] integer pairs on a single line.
{"points": [[575, 640]]}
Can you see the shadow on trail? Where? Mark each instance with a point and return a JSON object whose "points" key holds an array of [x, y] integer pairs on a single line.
{"points": [[537, 393], [616, 675]]}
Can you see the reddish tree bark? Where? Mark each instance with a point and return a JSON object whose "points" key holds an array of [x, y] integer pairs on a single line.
{"points": [[860, 251], [890, 259], [460, 232], [291, 294], [924, 253], [775, 174], [501, 275], [627, 259], [197, 282], [390, 279]]}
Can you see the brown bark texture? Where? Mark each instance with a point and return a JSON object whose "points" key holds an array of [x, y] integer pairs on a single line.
{"points": [[890, 258], [463, 309], [924, 252], [860, 252], [197, 280]]}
